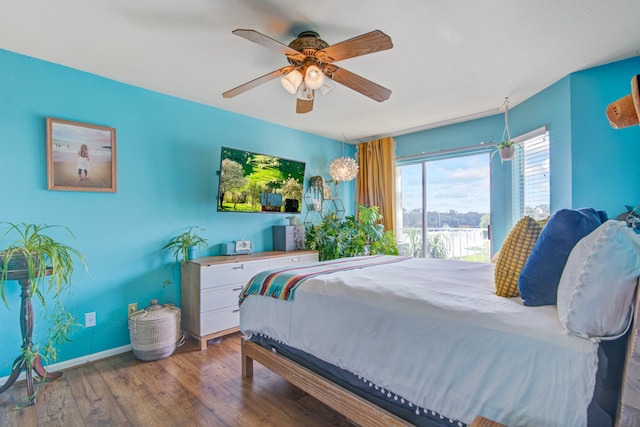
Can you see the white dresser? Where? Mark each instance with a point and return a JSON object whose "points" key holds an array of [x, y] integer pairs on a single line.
{"points": [[211, 286]]}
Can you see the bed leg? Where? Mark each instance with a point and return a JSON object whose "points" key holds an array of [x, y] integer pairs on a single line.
{"points": [[247, 363]]}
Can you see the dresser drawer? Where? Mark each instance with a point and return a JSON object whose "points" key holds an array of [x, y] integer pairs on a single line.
{"points": [[226, 274], [220, 297], [210, 288], [219, 320], [293, 260]]}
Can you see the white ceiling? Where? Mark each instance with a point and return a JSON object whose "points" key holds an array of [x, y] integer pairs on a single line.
{"points": [[451, 60]]}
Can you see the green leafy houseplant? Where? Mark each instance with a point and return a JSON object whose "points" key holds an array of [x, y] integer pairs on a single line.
{"points": [[364, 235], [181, 243], [48, 265], [31, 248], [507, 149]]}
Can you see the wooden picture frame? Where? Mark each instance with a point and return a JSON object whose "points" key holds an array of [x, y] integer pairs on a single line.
{"points": [[80, 156]]}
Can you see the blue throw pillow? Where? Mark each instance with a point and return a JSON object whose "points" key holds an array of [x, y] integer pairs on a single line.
{"points": [[540, 276]]}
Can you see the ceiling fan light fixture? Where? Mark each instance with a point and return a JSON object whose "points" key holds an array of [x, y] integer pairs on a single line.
{"points": [[326, 87], [305, 92], [291, 81], [314, 77], [311, 60]]}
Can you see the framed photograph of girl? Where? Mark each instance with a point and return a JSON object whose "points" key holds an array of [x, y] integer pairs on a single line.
{"points": [[80, 156]]}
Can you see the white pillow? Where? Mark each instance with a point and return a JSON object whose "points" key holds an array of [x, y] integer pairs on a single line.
{"points": [[595, 294]]}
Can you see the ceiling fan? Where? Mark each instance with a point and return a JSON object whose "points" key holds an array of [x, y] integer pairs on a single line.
{"points": [[312, 65]]}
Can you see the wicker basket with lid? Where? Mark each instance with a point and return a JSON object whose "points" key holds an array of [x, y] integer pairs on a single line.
{"points": [[155, 331]]}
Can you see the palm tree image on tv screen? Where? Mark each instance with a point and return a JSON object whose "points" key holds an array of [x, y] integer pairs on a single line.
{"points": [[253, 182]]}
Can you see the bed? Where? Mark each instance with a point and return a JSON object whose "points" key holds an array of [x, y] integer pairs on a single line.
{"points": [[390, 340]]}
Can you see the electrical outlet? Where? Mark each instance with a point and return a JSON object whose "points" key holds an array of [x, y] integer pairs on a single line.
{"points": [[133, 307], [90, 319]]}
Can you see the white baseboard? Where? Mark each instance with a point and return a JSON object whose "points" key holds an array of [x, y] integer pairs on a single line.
{"points": [[78, 361]]}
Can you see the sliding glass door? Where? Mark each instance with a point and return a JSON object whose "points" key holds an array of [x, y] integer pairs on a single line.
{"points": [[445, 208]]}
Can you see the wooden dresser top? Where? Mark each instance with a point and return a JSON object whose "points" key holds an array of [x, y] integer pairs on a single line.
{"points": [[226, 259]]}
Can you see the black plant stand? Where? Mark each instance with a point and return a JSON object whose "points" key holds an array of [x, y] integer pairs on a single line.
{"points": [[26, 328]]}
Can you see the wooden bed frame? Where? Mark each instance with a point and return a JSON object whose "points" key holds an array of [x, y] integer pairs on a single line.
{"points": [[338, 398], [365, 413]]}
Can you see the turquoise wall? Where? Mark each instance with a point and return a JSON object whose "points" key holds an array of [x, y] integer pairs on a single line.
{"points": [[605, 160], [592, 164], [168, 152]]}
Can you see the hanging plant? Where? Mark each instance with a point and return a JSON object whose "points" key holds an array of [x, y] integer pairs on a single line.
{"points": [[507, 150], [506, 145]]}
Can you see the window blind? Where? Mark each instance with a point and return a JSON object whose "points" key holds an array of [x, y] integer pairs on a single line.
{"points": [[532, 175]]}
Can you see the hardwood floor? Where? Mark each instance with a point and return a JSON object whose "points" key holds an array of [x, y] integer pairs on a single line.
{"points": [[189, 388]]}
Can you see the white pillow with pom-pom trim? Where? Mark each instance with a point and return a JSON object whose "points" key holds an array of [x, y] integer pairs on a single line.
{"points": [[595, 294]]}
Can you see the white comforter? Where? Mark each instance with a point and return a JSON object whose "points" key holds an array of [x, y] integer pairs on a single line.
{"points": [[434, 333]]}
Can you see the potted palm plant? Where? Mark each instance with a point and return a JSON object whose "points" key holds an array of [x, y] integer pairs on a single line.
{"points": [[184, 245], [43, 267]]}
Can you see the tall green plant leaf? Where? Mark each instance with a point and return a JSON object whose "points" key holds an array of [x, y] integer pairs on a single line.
{"points": [[353, 236]]}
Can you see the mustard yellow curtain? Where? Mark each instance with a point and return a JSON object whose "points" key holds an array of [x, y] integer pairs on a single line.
{"points": [[377, 178]]}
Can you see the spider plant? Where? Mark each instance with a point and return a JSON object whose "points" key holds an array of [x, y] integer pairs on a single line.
{"points": [[29, 250], [181, 244], [48, 265]]}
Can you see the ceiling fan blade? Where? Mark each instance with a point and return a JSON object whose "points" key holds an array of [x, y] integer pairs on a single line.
{"points": [[375, 41], [267, 41], [304, 106], [256, 82], [357, 83]]}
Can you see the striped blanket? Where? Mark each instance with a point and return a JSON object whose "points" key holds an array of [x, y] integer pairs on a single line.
{"points": [[282, 283]]}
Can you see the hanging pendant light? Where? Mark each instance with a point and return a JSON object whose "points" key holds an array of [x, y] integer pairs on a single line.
{"points": [[343, 168]]}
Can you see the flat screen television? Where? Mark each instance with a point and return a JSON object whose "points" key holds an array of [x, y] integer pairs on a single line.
{"points": [[254, 182]]}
